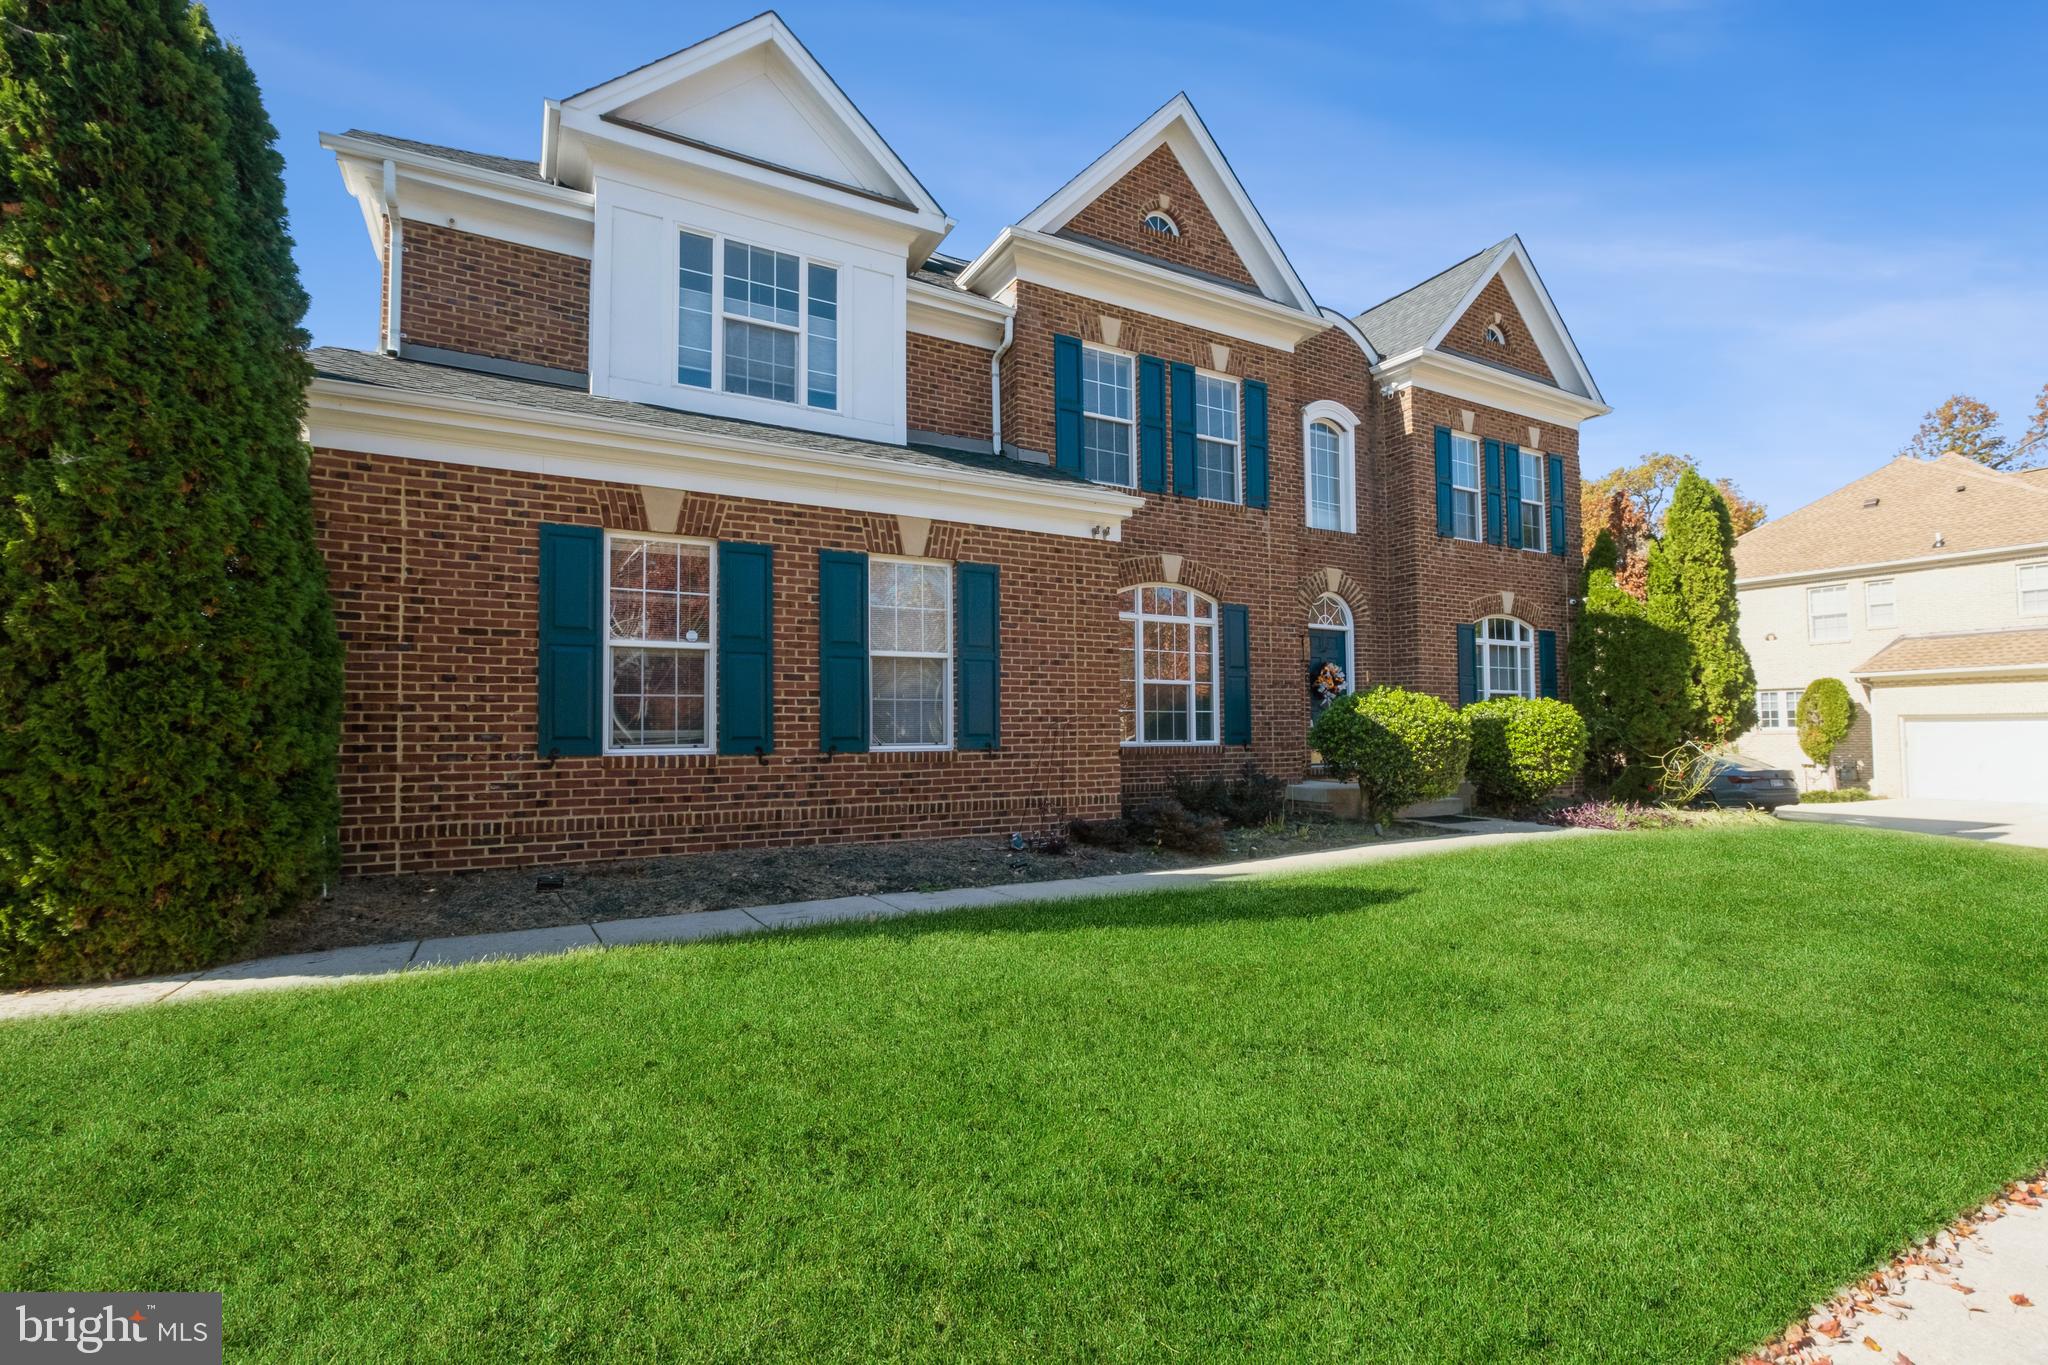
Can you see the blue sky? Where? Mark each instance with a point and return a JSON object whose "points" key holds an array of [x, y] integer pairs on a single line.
{"points": [[1780, 232]]}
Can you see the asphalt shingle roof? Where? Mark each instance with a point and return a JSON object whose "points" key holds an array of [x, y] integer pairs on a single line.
{"points": [[2020, 649], [415, 376], [1412, 317], [1896, 512], [504, 165]]}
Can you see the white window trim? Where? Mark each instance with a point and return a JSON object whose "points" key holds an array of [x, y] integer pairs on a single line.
{"points": [[1350, 639], [2021, 589], [1541, 500], [709, 646], [1847, 627], [1136, 620], [1893, 604], [1478, 490], [1346, 422], [946, 673], [1131, 421], [719, 317], [1236, 445], [1162, 214], [1788, 709], [1525, 647]]}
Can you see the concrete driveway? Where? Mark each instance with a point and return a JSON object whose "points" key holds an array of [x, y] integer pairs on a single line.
{"points": [[1990, 821]]}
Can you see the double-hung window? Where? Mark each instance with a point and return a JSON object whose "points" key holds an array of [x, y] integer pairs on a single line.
{"points": [[1507, 658], [2034, 589], [1216, 439], [1777, 708], [910, 654], [1325, 476], [1106, 417], [1169, 657], [658, 643], [765, 322], [1535, 501], [1827, 614], [1464, 486], [1880, 604]]}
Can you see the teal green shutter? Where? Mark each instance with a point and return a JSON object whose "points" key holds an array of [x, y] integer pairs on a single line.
{"points": [[977, 601], [1151, 424], [842, 652], [1556, 472], [1511, 472], [571, 641], [1237, 675], [1254, 443], [1490, 476], [1546, 663], [1184, 481], [1445, 525], [746, 648], [1468, 666], [1066, 403]]}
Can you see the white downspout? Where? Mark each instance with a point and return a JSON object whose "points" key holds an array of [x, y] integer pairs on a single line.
{"points": [[995, 382], [394, 253]]}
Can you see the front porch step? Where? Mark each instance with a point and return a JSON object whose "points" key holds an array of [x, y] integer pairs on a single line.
{"points": [[1340, 799]]}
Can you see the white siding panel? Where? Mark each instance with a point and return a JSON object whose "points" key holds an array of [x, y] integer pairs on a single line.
{"points": [[641, 349]]}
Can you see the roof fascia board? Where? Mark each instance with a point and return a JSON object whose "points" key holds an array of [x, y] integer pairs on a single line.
{"points": [[1790, 576], [476, 180], [1971, 671], [344, 415], [1351, 329], [955, 315], [1516, 252], [1456, 377]]}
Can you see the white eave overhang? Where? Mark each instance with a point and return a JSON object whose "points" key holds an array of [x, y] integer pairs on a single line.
{"points": [[553, 217], [1455, 377], [955, 315], [1978, 671], [1834, 571], [1126, 282], [347, 416]]}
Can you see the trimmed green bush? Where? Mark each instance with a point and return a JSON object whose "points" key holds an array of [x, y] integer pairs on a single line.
{"points": [[1523, 749], [1825, 714], [169, 669], [1400, 747]]}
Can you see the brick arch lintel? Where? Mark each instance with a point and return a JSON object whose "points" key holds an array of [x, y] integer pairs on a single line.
{"points": [[1171, 568], [1335, 582], [1493, 604]]}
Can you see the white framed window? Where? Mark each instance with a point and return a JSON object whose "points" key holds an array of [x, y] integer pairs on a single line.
{"points": [[1778, 708], [2034, 589], [1507, 658], [1827, 614], [764, 322], [1464, 486], [910, 654], [1169, 658], [1216, 439], [1880, 604], [658, 644], [1535, 502], [1329, 464], [1108, 424], [1160, 224]]}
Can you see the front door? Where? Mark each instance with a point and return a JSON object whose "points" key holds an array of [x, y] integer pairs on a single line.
{"points": [[1325, 646]]}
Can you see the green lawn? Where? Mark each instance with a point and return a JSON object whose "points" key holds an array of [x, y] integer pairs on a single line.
{"points": [[1620, 1097]]}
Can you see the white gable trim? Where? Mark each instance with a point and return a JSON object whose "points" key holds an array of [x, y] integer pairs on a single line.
{"points": [[762, 30], [1547, 327], [1178, 126], [1456, 377]]}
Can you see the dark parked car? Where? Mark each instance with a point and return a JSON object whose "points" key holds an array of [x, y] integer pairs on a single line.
{"points": [[1740, 781]]}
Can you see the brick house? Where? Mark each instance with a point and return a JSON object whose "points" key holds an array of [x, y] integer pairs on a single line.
{"points": [[693, 499]]}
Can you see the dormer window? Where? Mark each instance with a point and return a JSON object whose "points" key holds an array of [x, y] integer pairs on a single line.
{"points": [[1160, 225], [766, 322]]}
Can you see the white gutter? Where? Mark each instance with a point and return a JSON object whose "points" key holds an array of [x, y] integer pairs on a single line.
{"points": [[394, 253], [1917, 562], [995, 382]]}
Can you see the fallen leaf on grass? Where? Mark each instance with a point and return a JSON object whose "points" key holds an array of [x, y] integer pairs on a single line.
{"points": [[1831, 1328]]}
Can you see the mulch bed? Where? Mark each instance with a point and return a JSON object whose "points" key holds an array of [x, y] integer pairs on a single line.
{"points": [[383, 909]]}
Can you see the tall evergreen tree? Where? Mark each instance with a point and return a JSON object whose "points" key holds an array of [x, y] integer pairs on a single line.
{"points": [[1691, 590], [169, 673], [1628, 681]]}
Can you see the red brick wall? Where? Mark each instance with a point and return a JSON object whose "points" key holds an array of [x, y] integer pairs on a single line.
{"points": [[1468, 333], [1118, 214], [1260, 558], [493, 298], [948, 386], [433, 571]]}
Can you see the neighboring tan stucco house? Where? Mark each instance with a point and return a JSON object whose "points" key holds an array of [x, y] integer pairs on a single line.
{"points": [[1924, 587]]}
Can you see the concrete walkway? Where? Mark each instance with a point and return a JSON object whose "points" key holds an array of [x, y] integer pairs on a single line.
{"points": [[1991, 822], [338, 965]]}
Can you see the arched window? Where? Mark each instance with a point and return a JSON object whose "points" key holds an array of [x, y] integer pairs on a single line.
{"points": [[1169, 654], [1496, 334], [1157, 222], [1329, 642], [1328, 450], [1507, 658]]}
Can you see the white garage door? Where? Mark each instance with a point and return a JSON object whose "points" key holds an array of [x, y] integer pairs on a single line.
{"points": [[1995, 758]]}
